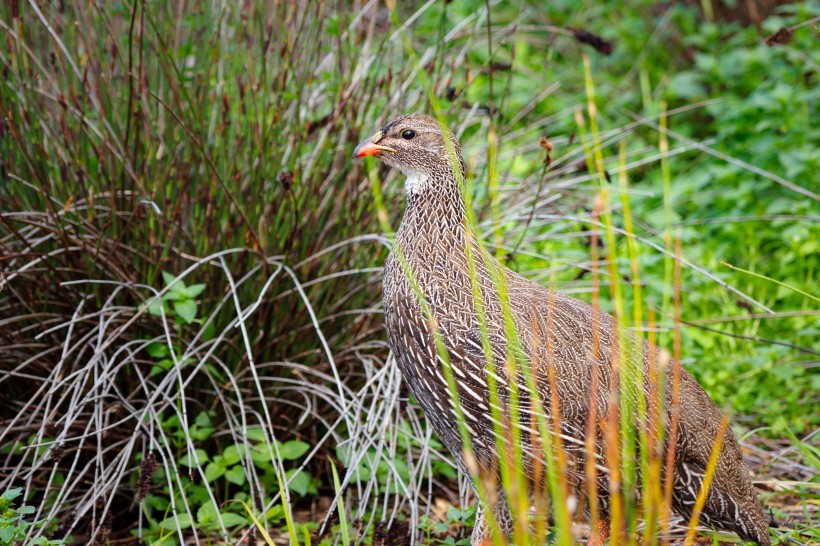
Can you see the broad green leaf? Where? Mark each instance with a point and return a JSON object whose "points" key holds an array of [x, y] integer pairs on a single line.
{"points": [[186, 310], [213, 472], [189, 461], [155, 370], [182, 521], [197, 493], [203, 419], [206, 515], [293, 449], [194, 290], [166, 363], [156, 306], [231, 454], [12, 494], [261, 456], [159, 503], [298, 481], [201, 433], [255, 433], [176, 286], [157, 350], [230, 519], [236, 475]]}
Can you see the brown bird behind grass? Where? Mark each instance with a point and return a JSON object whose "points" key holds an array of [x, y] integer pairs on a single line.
{"points": [[579, 343]]}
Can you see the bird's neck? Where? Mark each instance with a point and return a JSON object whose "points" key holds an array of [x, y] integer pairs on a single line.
{"points": [[435, 212], [436, 240]]}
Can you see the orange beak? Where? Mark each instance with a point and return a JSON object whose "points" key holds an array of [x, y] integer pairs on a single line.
{"points": [[368, 148]]}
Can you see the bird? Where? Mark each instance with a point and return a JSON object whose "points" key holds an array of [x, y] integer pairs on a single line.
{"points": [[444, 308]]}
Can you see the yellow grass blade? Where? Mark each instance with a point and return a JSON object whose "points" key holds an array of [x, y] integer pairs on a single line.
{"points": [[707, 482]]}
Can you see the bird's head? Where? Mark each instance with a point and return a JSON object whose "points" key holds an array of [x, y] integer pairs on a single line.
{"points": [[415, 144]]}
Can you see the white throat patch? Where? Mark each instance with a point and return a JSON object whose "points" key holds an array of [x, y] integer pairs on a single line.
{"points": [[416, 182]]}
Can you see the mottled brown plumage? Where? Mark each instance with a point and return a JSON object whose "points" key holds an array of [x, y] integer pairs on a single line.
{"points": [[554, 330]]}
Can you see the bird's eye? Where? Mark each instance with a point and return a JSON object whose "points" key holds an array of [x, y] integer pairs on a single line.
{"points": [[407, 134]]}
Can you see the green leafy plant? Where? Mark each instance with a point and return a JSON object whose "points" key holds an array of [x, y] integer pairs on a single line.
{"points": [[13, 524], [179, 300], [457, 519], [225, 474]]}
